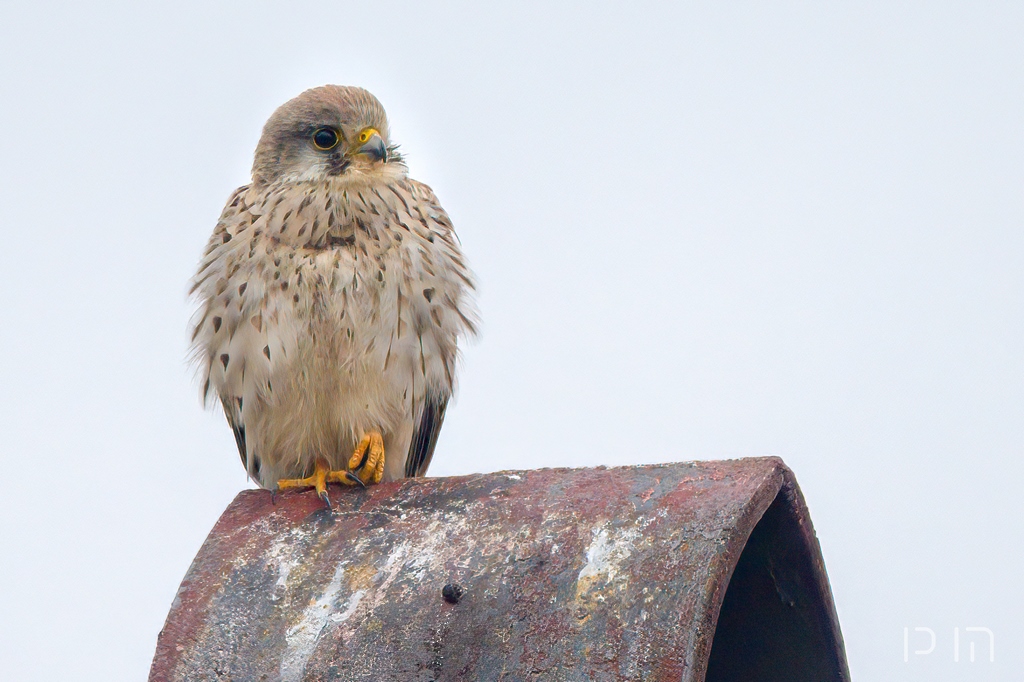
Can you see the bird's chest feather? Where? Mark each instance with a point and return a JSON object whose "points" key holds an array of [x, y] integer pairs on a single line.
{"points": [[357, 303], [310, 290]]}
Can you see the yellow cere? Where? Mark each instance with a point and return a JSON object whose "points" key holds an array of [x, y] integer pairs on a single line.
{"points": [[365, 136]]}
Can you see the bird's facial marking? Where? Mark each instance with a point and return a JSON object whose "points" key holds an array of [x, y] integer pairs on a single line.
{"points": [[325, 138], [337, 164]]}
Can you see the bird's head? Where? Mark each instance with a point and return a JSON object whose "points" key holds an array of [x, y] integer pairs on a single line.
{"points": [[328, 132]]}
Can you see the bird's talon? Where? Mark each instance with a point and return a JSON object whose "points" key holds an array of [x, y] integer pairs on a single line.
{"points": [[321, 476], [368, 458], [366, 465]]}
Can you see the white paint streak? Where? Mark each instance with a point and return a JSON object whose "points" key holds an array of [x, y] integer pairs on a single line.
{"points": [[606, 552], [284, 569], [350, 607], [437, 534], [283, 553], [302, 638]]}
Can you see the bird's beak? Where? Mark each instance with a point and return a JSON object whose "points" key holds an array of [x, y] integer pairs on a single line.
{"points": [[374, 148]]}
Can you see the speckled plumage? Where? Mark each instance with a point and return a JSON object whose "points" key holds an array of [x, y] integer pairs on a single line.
{"points": [[332, 294]]}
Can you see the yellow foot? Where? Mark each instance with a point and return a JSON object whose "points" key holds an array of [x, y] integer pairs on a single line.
{"points": [[368, 459], [322, 475]]}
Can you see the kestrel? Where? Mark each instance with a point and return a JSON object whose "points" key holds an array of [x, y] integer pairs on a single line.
{"points": [[332, 296]]}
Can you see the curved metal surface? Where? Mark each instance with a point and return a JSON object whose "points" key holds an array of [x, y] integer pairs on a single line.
{"points": [[552, 574]]}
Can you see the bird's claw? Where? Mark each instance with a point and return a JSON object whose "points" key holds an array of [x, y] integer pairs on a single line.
{"points": [[323, 496], [317, 480], [367, 460], [366, 466]]}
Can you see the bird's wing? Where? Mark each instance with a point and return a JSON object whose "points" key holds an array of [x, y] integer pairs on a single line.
{"points": [[424, 437], [234, 417], [232, 339]]}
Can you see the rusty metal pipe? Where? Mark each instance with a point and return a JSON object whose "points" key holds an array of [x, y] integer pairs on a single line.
{"points": [[553, 574]]}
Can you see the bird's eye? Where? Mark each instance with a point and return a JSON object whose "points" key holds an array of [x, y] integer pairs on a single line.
{"points": [[325, 138]]}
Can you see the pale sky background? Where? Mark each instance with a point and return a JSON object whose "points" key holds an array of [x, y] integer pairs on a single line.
{"points": [[705, 231]]}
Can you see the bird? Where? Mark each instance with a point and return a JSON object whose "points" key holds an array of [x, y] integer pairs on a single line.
{"points": [[332, 297]]}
